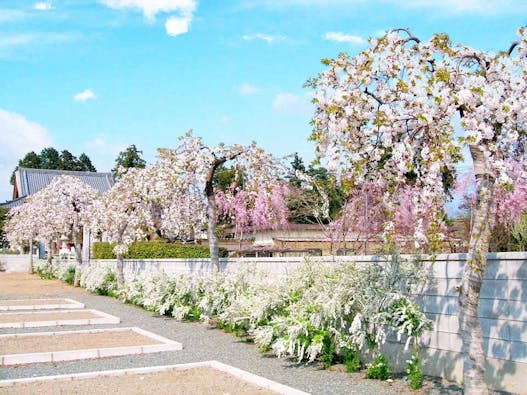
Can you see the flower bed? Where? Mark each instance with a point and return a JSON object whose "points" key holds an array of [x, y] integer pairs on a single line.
{"points": [[331, 312]]}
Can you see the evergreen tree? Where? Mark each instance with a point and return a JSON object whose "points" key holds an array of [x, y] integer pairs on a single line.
{"points": [[130, 157], [296, 165], [49, 159], [31, 160], [303, 202], [68, 161], [86, 163]]}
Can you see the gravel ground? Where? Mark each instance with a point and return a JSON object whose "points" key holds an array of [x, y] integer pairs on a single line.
{"points": [[201, 343]]}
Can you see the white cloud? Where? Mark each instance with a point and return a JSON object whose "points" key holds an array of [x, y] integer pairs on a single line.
{"points": [[104, 149], [274, 4], [468, 6], [292, 104], [151, 8], [16, 40], [43, 6], [486, 7], [97, 142], [8, 15], [85, 95], [18, 137], [248, 90], [11, 44], [344, 38], [178, 23], [264, 37]]}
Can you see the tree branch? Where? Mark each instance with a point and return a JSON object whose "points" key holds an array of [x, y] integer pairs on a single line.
{"points": [[411, 37], [373, 96], [209, 188], [511, 48]]}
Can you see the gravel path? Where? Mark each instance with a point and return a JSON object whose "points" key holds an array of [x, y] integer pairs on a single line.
{"points": [[200, 343]]}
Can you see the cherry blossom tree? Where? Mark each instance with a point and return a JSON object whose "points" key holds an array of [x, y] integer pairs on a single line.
{"points": [[59, 209], [124, 213], [509, 203], [392, 111], [252, 211], [195, 164], [22, 227], [147, 200]]}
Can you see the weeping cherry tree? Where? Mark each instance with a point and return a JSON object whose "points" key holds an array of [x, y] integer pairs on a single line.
{"points": [[390, 116], [195, 164]]}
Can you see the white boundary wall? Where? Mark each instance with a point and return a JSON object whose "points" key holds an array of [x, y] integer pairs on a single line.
{"points": [[503, 309], [11, 263]]}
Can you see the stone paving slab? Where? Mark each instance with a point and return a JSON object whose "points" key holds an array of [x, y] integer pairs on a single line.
{"points": [[142, 342], [39, 304], [35, 319], [201, 344], [125, 374]]}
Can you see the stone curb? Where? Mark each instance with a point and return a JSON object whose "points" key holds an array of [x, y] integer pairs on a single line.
{"points": [[103, 318], [70, 355], [238, 373], [71, 304]]}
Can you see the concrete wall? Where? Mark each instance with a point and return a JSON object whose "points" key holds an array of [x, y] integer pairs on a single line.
{"points": [[503, 310], [15, 263], [503, 317]]}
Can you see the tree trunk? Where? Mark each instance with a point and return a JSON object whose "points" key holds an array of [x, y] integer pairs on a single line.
{"points": [[366, 223], [50, 255], [78, 258], [212, 212], [30, 256], [120, 270], [211, 232], [475, 268]]}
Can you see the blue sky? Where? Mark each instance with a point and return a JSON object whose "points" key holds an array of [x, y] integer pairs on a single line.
{"points": [[97, 76]]}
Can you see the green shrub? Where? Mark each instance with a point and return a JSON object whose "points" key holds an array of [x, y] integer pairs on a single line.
{"points": [[328, 349], [414, 371], [46, 276], [69, 275], [155, 250], [352, 360], [103, 250], [379, 369], [8, 252]]}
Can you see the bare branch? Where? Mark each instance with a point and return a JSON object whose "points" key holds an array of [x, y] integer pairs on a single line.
{"points": [[411, 37], [511, 48]]}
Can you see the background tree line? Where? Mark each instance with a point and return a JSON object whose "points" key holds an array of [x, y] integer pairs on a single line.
{"points": [[50, 158]]}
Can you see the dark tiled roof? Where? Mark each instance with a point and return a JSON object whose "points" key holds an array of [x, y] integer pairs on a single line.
{"points": [[13, 203], [30, 181]]}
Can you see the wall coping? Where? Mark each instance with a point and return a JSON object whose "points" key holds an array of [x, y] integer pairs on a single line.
{"points": [[514, 256]]}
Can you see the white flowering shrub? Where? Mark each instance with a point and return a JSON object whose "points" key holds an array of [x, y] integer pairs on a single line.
{"points": [[244, 301], [42, 267], [144, 290], [99, 278], [322, 311], [174, 295], [63, 271]]}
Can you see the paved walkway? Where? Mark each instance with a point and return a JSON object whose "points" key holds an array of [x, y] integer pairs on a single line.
{"points": [[200, 343]]}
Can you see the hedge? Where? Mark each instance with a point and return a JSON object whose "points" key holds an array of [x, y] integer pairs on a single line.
{"points": [[155, 250]]}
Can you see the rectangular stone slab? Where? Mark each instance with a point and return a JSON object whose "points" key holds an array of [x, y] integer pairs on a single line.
{"points": [[73, 345], [39, 304], [198, 377], [41, 318]]}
